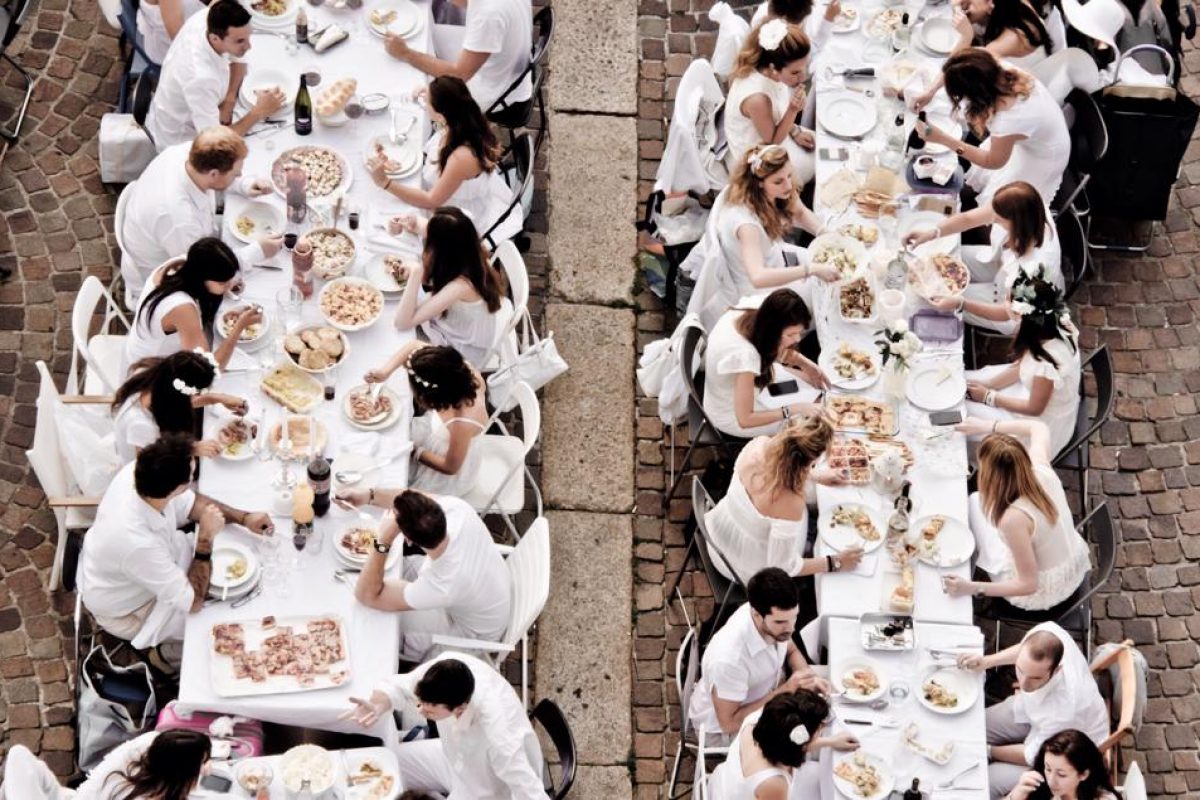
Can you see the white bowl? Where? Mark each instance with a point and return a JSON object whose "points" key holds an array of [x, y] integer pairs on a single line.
{"points": [[308, 761], [332, 285]]}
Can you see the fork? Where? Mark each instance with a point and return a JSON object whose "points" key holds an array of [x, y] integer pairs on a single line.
{"points": [[949, 784]]}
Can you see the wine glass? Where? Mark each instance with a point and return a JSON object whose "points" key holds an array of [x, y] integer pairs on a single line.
{"points": [[354, 109], [289, 300]]}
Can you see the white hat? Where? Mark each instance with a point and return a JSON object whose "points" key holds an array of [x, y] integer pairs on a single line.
{"points": [[1099, 19]]}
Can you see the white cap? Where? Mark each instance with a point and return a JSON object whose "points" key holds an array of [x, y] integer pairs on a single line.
{"points": [[1099, 19]]}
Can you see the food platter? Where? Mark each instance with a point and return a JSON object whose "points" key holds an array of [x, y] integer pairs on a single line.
{"points": [[293, 388], [857, 300], [333, 252], [846, 254], [852, 413], [316, 349], [328, 173], [852, 525], [268, 655], [351, 304], [948, 690]]}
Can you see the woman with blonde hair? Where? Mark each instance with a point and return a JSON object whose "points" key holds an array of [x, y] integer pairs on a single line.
{"points": [[742, 252], [766, 93], [1021, 520], [763, 519]]}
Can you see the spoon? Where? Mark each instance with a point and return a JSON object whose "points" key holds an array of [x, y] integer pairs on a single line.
{"points": [[350, 476]]}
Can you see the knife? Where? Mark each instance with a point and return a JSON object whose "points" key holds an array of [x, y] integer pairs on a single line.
{"points": [[255, 592]]}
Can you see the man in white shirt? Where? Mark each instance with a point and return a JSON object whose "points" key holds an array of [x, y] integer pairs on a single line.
{"points": [[486, 749], [1055, 692], [460, 587], [173, 204], [743, 664], [139, 575], [490, 52], [199, 81]]}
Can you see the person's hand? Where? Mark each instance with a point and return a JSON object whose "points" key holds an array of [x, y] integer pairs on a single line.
{"points": [[962, 23], [804, 138], [271, 244], [268, 101], [211, 521], [850, 557], [977, 391], [826, 272], [206, 449], [944, 303], [831, 477], [832, 10], [252, 315], [1029, 782], [396, 47], [919, 237], [258, 522], [920, 99], [956, 586], [403, 223], [972, 662], [843, 742], [814, 376], [974, 426], [796, 101], [258, 187], [354, 497], [376, 375], [237, 405], [367, 712], [388, 530], [378, 171]]}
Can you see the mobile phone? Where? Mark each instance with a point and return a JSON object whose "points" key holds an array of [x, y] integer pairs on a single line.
{"points": [[783, 387], [790, 259], [951, 417], [216, 783], [838, 154]]}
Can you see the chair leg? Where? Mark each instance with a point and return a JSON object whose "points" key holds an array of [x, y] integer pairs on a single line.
{"points": [[687, 459], [525, 671], [675, 770], [687, 556], [11, 136]]}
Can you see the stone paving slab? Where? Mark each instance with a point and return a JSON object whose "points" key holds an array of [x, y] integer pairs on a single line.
{"points": [[595, 56]]}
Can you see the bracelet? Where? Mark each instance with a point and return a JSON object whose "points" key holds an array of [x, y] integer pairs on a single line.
{"points": [[787, 413], [371, 497], [198, 556], [829, 567], [388, 185], [989, 399], [995, 422]]}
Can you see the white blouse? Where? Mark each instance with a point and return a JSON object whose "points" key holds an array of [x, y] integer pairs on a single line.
{"points": [[146, 336], [483, 198], [155, 39], [135, 428], [726, 355], [1063, 407]]}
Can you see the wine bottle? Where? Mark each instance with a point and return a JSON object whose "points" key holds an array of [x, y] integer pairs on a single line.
{"points": [[301, 27], [304, 109], [915, 140], [318, 479]]}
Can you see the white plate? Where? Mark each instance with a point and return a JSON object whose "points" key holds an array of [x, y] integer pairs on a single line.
{"points": [[853, 248], [380, 424], [377, 273], [262, 20], [954, 544], [840, 537], [847, 115], [344, 281], [964, 684], [407, 22], [266, 78], [839, 671], [247, 450], [853, 384], [356, 563], [253, 342], [936, 386], [886, 779], [223, 556], [380, 757], [923, 221], [268, 219], [938, 35], [945, 124], [408, 154], [217, 593], [844, 24], [226, 684]]}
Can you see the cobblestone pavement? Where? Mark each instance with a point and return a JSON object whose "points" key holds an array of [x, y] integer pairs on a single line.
{"points": [[55, 229], [1147, 458]]}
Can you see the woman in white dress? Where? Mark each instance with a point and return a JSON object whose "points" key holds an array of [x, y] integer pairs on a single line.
{"points": [[766, 92], [454, 295], [1027, 135], [449, 394], [742, 251], [178, 307], [1068, 766], [768, 759], [159, 21], [762, 521], [1022, 238], [1021, 520], [1043, 382], [460, 164], [739, 360], [161, 396]]}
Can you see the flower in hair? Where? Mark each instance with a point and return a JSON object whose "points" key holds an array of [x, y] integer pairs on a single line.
{"points": [[772, 34], [1021, 308], [417, 379], [799, 735], [183, 388], [210, 358]]}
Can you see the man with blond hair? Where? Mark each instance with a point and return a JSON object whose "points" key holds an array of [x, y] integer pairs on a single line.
{"points": [[173, 204]]}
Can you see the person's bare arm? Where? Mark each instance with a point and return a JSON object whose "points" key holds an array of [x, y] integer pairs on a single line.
{"points": [[730, 713], [460, 166], [761, 276], [1034, 404], [371, 589], [1009, 753], [1017, 529], [465, 67], [199, 574]]}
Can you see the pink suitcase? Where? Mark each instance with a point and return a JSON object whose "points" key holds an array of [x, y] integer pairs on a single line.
{"points": [[246, 740]]}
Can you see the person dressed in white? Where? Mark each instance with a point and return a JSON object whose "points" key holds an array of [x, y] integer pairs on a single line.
{"points": [[450, 393], [800, 12], [1043, 382], [199, 82], [1070, 766], [1027, 135], [1021, 520], [1022, 238], [740, 359], [139, 574], [486, 748], [1055, 692], [768, 759], [460, 587], [742, 667], [490, 52], [153, 766], [762, 520], [159, 22], [742, 251], [173, 204], [766, 92]]}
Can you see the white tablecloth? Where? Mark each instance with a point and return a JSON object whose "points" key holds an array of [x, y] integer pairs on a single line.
{"points": [[382, 757], [966, 730]]}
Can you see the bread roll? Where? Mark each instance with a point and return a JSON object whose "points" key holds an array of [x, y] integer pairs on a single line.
{"points": [[334, 98]]}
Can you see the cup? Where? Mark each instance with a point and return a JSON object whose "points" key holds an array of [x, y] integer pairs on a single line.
{"points": [[891, 305], [288, 301]]}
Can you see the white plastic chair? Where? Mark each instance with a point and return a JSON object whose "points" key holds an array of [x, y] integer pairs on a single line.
{"points": [[499, 487], [72, 510], [102, 352], [118, 232], [529, 565], [505, 348]]}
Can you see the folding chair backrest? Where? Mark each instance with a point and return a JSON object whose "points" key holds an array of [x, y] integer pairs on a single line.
{"points": [[1089, 135], [547, 714], [694, 381], [12, 18], [45, 456], [1100, 362], [91, 294], [128, 18], [531, 415], [517, 167], [543, 20], [529, 566], [1126, 689], [508, 257], [702, 503], [1101, 532], [143, 95], [119, 215], [687, 672], [1073, 241]]}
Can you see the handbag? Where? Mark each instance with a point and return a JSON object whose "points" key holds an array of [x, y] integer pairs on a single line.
{"points": [[115, 704], [537, 363], [125, 149]]}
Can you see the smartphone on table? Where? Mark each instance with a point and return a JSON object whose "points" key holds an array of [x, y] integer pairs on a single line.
{"points": [[951, 417], [783, 387]]}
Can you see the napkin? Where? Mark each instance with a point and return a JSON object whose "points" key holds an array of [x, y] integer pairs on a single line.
{"points": [[380, 240], [867, 565], [369, 443]]}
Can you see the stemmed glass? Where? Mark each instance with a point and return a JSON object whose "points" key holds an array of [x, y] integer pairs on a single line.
{"points": [[286, 452]]}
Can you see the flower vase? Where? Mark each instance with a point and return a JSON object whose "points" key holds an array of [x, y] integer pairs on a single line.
{"points": [[895, 379]]}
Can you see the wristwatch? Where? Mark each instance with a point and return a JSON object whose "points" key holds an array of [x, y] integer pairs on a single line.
{"points": [[381, 548], [202, 556]]}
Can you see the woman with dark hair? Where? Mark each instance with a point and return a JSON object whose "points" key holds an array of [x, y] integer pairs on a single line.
{"points": [[178, 307], [1026, 133], [460, 165], [740, 357], [767, 755], [453, 295], [449, 394], [1068, 766], [161, 396]]}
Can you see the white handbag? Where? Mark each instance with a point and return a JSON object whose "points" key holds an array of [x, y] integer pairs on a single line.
{"points": [[537, 363], [125, 149]]}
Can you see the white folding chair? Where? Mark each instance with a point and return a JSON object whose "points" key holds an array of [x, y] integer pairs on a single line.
{"points": [[499, 487], [529, 566], [505, 349], [119, 233], [101, 353], [687, 673], [72, 510]]}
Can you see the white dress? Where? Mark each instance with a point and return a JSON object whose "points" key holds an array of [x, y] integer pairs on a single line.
{"points": [[1039, 158], [483, 198], [135, 428], [994, 268], [726, 355], [729, 781], [741, 134], [155, 39], [749, 539], [468, 327], [431, 432], [146, 337], [1063, 558]]}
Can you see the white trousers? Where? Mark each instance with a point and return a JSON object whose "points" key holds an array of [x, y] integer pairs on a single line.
{"points": [[26, 777], [425, 767], [417, 628]]}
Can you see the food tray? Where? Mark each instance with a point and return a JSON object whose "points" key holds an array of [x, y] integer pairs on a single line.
{"points": [[933, 326], [226, 683], [305, 392], [834, 399], [877, 631]]}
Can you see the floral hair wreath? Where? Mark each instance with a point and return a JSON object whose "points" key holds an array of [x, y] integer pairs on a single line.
{"points": [[191, 391], [772, 34], [412, 373], [1052, 306]]}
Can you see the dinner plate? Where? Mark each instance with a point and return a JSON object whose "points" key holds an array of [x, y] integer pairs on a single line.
{"points": [[273, 21], [847, 789], [846, 115], [384, 422], [953, 545], [257, 79], [845, 23], [922, 221], [356, 564], [853, 249], [937, 35], [964, 684], [935, 386], [945, 124], [245, 451], [257, 337], [841, 537], [840, 671], [407, 155], [826, 361], [406, 23], [377, 273], [224, 556], [256, 219]]}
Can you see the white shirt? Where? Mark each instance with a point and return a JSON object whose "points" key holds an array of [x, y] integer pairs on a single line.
{"points": [[133, 555], [740, 665], [135, 428], [193, 83], [492, 749], [1070, 699], [165, 214], [504, 30], [469, 580], [155, 39], [98, 786]]}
